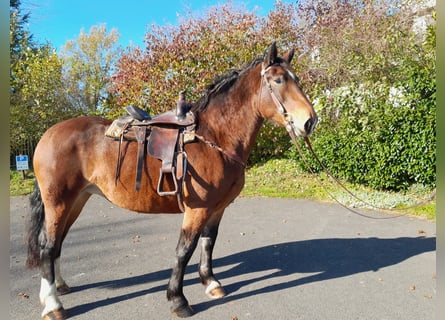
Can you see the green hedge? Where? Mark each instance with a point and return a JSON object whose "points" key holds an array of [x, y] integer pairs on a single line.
{"points": [[383, 137]]}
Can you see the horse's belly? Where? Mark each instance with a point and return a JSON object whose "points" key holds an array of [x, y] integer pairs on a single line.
{"points": [[144, 202], [123, 193]]}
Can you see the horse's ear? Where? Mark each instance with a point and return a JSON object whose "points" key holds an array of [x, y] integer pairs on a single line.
{"points": [[271, 55], [288, 56]]}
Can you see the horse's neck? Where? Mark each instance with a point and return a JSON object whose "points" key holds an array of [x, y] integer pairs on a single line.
{"points": [[233, 121]]}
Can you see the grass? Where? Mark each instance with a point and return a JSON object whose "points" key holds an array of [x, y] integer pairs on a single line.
{"points": [[281, 178], [19, 186]]}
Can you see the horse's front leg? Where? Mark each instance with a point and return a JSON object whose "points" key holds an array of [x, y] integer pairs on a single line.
{"points": [[208, 238], [188, 239]]}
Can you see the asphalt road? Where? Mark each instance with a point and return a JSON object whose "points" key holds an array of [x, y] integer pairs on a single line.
{"points": [[276, 258]]}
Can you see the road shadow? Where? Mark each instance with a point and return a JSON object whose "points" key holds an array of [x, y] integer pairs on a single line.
{"points": [[324, 259]]}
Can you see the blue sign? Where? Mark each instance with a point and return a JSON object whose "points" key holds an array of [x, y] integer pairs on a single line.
{"points": [[21, 162]]}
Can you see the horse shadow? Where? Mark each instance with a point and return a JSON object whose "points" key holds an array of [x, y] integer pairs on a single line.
{"points": [[323, 259]]}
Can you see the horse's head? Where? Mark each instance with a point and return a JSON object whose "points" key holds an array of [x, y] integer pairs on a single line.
{"points": [[282, 98]]}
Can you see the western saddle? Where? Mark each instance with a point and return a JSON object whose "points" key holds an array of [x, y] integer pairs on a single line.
{"points": [[162, 137]]}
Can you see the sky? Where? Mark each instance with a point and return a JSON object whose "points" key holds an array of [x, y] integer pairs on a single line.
{"points": [[58, 21]]}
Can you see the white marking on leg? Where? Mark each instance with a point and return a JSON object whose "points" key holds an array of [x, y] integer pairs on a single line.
{"points": [[48, 297], [205, 241], [213, 285]]}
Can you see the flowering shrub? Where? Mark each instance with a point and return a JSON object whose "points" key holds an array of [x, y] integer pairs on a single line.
{"points": [[368, 138]]}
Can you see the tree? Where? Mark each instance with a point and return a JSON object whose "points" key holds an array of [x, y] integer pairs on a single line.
{"points": [[376, 88], [37, 99], [19, 37], [88, 61], [353, 40], [186, 56], [41, 102], [20, 44]]}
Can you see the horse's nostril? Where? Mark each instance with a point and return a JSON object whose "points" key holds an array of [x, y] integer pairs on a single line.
{"points": [[310, 125]]}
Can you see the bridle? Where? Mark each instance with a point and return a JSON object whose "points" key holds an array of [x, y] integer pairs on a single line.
{"points": [[278, 103], [280, 106]]}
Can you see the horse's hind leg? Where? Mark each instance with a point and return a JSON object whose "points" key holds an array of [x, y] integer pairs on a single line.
{"points": [[208, 238], [76, 208], [58, 217], [53, 308], [42, 249]]}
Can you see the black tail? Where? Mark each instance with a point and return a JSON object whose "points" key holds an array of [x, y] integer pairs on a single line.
{"points": [[34, 228]]}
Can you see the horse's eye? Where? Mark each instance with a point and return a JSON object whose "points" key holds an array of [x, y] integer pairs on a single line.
{"points": [[277, 80]]}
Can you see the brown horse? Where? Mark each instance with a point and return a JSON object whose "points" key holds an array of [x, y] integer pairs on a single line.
{"points": [[74, 159]]}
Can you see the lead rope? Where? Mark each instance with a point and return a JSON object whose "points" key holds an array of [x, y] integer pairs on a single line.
{"points": [[308, 144]]}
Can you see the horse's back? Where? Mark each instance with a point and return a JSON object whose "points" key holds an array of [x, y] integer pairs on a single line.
{"points": [[75, 128]]}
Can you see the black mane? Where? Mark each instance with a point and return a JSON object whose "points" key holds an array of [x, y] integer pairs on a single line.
{"points": [[222, 84]]}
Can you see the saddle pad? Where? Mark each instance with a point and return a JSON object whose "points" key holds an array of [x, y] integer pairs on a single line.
{"points": [[118, 127]]}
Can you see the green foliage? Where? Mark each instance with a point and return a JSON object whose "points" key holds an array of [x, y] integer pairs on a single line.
{"points": [[19, 37], [37, 100], [19, 186], [87, 65], [371, 137], [272, 142], [375, 86], [47, 88], [191, 54]]}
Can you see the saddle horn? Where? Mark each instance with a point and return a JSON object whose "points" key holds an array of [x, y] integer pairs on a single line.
{"points": [[182, 107]]}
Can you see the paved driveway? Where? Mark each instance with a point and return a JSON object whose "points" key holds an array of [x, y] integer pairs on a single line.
{"points": [[277, 259]]}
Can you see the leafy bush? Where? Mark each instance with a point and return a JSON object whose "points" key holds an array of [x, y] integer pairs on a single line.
{"points": [[272, 142], [370, 137], [376, 99]]}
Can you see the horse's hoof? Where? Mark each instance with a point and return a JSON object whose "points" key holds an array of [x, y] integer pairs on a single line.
{"points": [[63, 289], [183, 312], [60, 314], [215, 291]]}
